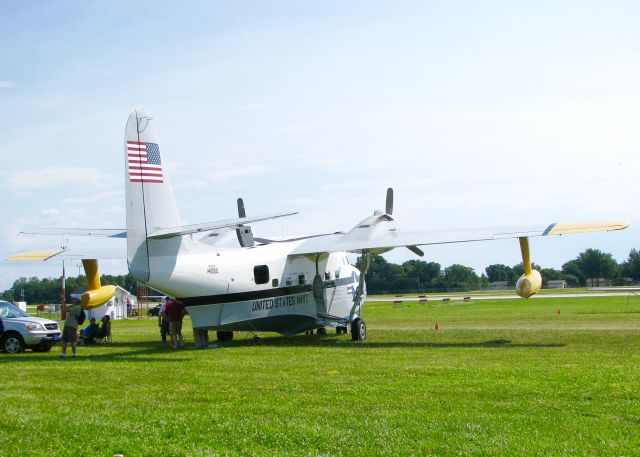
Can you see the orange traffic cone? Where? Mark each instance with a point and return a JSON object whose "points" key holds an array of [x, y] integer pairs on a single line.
{"points": [[437, 325]]}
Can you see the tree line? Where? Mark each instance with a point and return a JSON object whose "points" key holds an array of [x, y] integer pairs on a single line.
{"points": [[385, 277], [420, 276]]}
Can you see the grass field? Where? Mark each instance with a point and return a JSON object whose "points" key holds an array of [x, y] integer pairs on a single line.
{"points": [[503, 377]]}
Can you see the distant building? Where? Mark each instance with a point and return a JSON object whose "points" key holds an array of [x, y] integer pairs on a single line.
{"points": [[556, 284], [499, 285], [599, 282]]}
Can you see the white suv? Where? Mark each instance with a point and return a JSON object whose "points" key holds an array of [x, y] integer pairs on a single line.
{"points": [[18, 330]]}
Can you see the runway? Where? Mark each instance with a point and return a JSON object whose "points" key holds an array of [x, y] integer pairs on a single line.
{"points": [[472, 297]]}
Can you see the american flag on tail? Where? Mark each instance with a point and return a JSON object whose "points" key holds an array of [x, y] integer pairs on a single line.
{"points": [[144, 162]]}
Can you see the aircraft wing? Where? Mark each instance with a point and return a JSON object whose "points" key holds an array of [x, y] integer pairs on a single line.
{"points": [[216, 225], [383, 240]]}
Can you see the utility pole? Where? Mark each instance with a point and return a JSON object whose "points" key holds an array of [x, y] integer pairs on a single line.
{"points": [[63, 293]]}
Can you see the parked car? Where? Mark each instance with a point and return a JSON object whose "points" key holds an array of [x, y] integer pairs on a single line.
{"points": [[19, 330], [155, 311]]}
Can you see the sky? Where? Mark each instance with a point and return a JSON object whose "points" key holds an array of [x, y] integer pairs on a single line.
{"points": [[477, 113]]}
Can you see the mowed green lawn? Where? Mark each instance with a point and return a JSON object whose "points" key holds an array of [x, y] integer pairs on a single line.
{"points": [[503, 377]]}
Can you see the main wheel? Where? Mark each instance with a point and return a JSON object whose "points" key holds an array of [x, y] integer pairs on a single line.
{"points": [[358, 330], [12, 343], [224, 336], [322, 331]]}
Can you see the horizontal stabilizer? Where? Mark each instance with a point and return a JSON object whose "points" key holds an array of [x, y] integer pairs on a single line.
{"points": [[216, 225], [105, 233]]}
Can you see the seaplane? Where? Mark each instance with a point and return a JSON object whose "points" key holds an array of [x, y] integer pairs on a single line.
{"points": [[231, 280]]}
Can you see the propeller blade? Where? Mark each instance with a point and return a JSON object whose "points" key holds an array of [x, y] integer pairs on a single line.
{"points": [[241, 212], [416, 250], [389, 200]]}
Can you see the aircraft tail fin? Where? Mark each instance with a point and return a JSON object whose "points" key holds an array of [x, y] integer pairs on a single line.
{"points": [[149, 197]]}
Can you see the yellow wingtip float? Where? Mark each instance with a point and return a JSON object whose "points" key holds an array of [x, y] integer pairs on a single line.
{"points": [[531, 281], [97, 295]]}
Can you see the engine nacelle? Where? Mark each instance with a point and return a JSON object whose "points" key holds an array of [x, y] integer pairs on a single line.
{"points": [[529, 284], [97, 297]]}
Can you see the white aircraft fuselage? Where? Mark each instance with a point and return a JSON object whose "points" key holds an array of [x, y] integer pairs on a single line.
{"points": [[258, 288]]}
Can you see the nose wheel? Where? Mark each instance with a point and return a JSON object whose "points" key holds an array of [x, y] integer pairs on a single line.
{"points": [[358, 330]]}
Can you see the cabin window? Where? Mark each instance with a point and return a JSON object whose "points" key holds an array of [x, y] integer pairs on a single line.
{"points": [[302, 279], [327, 275], [289, 282], [274, 282], [261, 274]]}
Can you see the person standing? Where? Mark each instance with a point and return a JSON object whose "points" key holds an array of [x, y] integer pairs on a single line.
{"points": [[70, 330], [175, 312], [163, 321]]}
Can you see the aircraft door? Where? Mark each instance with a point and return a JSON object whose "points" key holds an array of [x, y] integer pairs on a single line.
{"points": [[318, 294]]}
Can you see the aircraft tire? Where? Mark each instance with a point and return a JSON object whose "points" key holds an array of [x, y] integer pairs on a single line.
{"points": [[224, 336], [358, 330], [322, 331]]}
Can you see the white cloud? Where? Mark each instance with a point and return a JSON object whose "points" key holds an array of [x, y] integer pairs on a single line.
{"points": [[7, 84], [294, 130], [95, 197], [29, 180], [50, 211], [213, 174]]}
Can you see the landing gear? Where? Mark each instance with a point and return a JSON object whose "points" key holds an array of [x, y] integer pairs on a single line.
{"points": [[224, 337], [358, 330], [322, 331], [341, 329]]}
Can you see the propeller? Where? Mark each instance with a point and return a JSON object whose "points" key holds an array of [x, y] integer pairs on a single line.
{"points": [[389, 210], [241, 211]]}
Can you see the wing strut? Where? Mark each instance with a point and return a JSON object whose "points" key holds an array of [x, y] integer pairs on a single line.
{"points": [[361, 292]]}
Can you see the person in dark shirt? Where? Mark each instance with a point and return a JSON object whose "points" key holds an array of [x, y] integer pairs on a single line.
{"points": [[175, 312]]}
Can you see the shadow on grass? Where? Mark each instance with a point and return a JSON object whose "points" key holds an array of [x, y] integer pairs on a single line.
{"points": [[142, 351], [344, 342], [115, 352]]}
